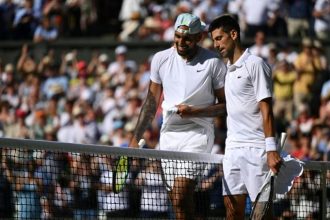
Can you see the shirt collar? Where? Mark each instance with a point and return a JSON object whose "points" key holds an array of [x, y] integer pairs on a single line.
{"points": [[238, 62]]}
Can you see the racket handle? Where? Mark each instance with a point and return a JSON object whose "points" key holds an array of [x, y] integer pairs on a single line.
{"points": [[283, 138], [141, 143]]}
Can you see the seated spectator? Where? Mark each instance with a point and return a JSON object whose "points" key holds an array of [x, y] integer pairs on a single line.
{"points": [[45, 32]]}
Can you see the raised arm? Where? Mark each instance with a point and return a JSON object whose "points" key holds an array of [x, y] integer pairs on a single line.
{"points": [[147, 113], [218, 109]]}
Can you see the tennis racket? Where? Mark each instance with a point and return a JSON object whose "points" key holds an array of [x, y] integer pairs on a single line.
{"points": [[264, 200], [121, 171]]}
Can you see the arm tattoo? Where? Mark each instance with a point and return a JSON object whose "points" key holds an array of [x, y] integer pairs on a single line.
{"points": [[146, 116]]}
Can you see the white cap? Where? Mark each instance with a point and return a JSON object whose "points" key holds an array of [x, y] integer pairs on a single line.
{"points": [[103, 58], [121, 49], [194, 24]]}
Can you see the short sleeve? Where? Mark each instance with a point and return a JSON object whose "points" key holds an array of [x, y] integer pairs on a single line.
{"points": [[154, 69], [220, 71], [261, 80]]}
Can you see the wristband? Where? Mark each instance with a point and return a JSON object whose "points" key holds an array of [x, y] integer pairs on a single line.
{"points": [[270, 144]]}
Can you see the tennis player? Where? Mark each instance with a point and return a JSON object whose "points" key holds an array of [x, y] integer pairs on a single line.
{"points": [[191, 79], [250, 144]]}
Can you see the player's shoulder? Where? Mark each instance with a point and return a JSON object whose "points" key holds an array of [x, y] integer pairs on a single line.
{"points": [[163, 55], [253, 59], [255, 64]]}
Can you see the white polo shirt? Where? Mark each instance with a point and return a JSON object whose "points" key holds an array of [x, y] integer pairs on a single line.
{"points": [[248, 81], [192, 83]]}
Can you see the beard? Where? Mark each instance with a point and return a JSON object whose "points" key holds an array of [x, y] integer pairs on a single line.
{"points": [[185, 51]]}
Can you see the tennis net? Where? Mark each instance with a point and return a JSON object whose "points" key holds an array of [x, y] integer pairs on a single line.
{"points": [[53, 180]]}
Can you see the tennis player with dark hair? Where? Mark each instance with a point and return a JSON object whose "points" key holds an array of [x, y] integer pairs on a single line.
{"points": [[250, 145], [191, 80]]}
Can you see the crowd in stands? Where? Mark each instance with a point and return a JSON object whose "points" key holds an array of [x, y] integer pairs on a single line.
{"points": [[145, 20], [97, 101]]}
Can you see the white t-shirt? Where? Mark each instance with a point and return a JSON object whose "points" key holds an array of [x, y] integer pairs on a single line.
{"points": [[192, 83], [248, 81]]}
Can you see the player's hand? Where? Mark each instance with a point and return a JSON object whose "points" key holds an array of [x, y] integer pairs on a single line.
{"points": [[133, 143], [184, 110], [274, 161]]}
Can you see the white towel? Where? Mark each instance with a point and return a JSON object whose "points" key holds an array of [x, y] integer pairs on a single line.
{"points": [[290, 169]]}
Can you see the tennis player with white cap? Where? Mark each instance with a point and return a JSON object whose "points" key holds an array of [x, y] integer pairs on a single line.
{"points": [[191, 79]]}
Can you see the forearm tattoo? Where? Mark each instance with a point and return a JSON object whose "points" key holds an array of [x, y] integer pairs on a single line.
{"points": [[146, 116]]}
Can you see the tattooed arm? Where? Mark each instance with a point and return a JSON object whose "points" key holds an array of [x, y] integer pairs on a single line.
{"points": [[148, 112]]}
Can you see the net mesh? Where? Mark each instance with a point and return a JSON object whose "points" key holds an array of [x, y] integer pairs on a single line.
{"points": [[45, 180]]}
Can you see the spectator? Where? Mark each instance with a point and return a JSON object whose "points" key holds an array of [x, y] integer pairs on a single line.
{"points": [[209, 9], [130, 14], [260, 48], [298, 18], [321, 13], [154, 199], [307, 67], [284, 77], [26, 188], [286, 52], [6, 196], [277, 25], [82, 131], [7, 77], [72, 19], [24, 22], [69, 65], [112, 205], [255, 16], [121, 62], [7, 14], [45, 32], [26, 63], [55, 84], [84, 186], [321, 77]]}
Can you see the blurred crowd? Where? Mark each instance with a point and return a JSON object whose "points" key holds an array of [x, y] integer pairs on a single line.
{"points": [[145, 20]]}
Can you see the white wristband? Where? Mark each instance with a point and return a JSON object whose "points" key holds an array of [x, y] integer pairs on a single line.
{"points": [[270, 144]]}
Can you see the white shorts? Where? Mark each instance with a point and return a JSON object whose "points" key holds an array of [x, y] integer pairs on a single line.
{"points": [[244, 169], [195, 139]]}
